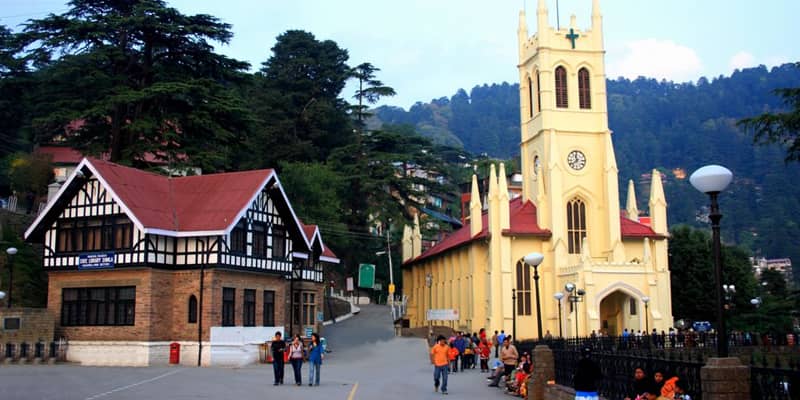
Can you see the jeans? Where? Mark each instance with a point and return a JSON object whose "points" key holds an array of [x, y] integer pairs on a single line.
{"points": [[277, 369], [437, 372], [297, 363], [313, 372]]}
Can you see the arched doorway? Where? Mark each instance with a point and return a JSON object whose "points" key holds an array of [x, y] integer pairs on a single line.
{"points": [[618, 311]]}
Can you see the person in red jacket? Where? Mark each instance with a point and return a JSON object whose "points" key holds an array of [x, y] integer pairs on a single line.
{"points": [[484, 352]]}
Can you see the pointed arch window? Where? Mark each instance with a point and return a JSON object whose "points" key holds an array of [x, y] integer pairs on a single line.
{"points": [[584, 89], [576, 224], [538, 94], [523, 289], [192, 309], [530, 96], [561, 88]]}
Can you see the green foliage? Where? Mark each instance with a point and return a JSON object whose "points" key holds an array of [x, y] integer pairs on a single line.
{"points": [[141, 78], [28, 173], [30, 280], [779, 127], [370, 90]]}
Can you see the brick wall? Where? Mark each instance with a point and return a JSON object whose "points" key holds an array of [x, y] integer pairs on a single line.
{"points": [[35, 324], [162, 299]]}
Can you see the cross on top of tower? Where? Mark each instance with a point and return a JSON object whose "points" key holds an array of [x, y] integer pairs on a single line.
{"points": [[572, 36]]}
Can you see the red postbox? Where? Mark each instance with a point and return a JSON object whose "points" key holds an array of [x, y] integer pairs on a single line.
{"points": [[174, 353]]}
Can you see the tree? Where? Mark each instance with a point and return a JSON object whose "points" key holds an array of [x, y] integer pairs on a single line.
{"points": [[148, 82], [370, 90], [779, 127], [690, 264], [296, 98]]}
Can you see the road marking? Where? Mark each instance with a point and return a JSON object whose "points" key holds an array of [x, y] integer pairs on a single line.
{"points": [[352, 392], [119, 389]]}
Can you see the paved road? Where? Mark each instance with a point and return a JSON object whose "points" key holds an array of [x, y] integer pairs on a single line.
{"points": [[367, 362]]}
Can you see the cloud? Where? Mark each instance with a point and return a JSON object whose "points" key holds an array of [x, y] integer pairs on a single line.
{"points": [[661, 59], [742, 60]]}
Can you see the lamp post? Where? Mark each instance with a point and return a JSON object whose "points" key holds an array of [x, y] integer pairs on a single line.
{"points": [[729, 291], [534, 259], [11, 251], [711, 180], [429, 284], [514, 313], [646, 300], [558, 296], [575, 296]]}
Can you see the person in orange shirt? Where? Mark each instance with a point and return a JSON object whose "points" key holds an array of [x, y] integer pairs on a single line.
{"points": [[440, 361], [452, 355]]}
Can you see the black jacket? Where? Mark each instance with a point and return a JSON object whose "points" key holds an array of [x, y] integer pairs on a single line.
{"points": [[278, 347], [587, 374]]}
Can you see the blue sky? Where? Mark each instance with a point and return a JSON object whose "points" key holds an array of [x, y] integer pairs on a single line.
{"points": [[430, 48]]}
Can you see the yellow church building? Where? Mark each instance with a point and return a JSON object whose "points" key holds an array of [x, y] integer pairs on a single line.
{"points": [[569, 212]]}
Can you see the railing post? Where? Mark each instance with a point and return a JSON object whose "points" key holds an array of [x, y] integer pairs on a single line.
{"points": [[725, 378], [543, 372]]}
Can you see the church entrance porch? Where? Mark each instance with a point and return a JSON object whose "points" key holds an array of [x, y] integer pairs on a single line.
{"points": [[620, 311]]}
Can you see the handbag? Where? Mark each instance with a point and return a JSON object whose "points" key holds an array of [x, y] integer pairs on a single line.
{"points": [[285, 356]]}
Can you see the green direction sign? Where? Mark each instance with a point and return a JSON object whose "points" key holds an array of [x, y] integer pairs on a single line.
{"points": [[366, 276]]}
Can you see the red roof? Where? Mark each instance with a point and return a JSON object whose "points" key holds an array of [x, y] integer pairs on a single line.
{"points": [[312, 233], [632, 229], [192, 203], [60, 154], [523, 222]]}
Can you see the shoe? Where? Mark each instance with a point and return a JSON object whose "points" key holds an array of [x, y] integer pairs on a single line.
{"points": [[435, 388], [275, 384], [493, 385], [444, 392], [310, 384]]}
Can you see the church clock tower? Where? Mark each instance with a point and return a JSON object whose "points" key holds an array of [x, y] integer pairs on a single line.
{"points": [[568, 162]]}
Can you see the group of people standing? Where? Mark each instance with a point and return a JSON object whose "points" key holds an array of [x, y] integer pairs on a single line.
{"points": [[461, 350], [296, 353]]}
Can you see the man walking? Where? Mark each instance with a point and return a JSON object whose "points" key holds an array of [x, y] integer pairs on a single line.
{"points": [[440, 361], [278, 347]]}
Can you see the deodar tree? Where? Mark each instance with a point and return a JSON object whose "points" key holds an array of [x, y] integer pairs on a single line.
{"points": [[138, 80]]}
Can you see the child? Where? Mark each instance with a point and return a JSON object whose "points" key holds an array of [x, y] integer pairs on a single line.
{"points": [[452, 355]]}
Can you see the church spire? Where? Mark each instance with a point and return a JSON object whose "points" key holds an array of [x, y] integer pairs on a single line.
{"points": [[597, 18], [522, 30], [658, 205], [633, 212], [416, 238], [475, 209], [541, 17], [505, 218]]}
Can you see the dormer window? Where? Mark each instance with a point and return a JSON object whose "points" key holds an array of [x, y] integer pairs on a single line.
{"points": [[239, 238], [94, 234]]}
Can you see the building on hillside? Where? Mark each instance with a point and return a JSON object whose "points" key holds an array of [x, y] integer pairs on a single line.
{"points": [[569, 211], [782, 265], [216, 263]]}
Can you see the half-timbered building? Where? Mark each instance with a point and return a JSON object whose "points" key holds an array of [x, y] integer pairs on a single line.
{"points": [[137, 261]]}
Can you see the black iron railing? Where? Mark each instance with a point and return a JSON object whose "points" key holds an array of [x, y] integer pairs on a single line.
{"points": [[774, 379]]}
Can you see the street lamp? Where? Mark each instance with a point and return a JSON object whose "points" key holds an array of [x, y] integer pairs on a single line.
{"points": [[558, 296], [646, 300], [711, 180], [391, 275], [729, 290], [12, 251], [429, 284], [514, 313], [534, 259], [575, 296]]}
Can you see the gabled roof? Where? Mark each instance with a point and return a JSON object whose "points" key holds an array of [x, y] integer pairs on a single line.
{"points": [[523, 220], [182, 206], [313, 235]]}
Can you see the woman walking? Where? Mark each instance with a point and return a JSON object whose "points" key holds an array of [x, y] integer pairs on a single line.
{"points": [[315, 356], [296, 358]]}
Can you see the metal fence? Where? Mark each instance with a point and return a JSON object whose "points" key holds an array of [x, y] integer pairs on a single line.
{"points": [[28, 352], [774, 379]]}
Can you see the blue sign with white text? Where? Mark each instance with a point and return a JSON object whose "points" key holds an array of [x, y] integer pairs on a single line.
{"points": [[96, 261]]}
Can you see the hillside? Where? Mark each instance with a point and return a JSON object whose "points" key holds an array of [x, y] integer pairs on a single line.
{"points": [[676, 127]]}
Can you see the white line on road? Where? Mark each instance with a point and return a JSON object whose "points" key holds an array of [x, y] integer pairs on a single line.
{"points": [[119, 389], [353, 392]]}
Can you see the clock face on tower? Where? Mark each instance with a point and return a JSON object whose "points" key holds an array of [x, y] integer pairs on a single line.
{"points": [[576, 160]]}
